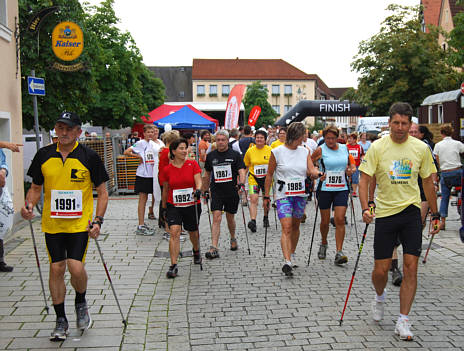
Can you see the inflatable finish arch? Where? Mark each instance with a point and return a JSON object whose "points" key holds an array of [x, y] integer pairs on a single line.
{"points": [[307, 108]]}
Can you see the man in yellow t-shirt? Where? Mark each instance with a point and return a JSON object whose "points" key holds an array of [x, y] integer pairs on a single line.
{"points": [[282, 136], [396, 161], [256, 160]]}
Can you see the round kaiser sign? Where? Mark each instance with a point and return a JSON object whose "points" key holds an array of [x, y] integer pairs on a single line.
{"points": [[67, 41]]}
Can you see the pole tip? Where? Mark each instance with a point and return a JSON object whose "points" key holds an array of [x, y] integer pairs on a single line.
{"points": [[341, 322], [424, 261]]}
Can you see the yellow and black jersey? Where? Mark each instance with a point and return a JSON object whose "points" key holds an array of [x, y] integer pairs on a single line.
{"points": [[68, 198]]}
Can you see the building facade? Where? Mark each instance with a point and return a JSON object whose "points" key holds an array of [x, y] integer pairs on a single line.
{"points": [[177, 80], [10, 98], [213, 79]]}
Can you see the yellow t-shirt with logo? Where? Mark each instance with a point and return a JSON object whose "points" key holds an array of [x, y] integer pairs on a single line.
{"points": [[256, 157], [396, 167], [276, 143]]}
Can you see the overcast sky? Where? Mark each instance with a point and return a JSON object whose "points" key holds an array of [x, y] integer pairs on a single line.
{"points": [[318, 37]]}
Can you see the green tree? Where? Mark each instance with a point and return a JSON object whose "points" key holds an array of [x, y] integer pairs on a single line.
{"points": [[456, 38], [401, 63], [256, 95], [115, 88]]}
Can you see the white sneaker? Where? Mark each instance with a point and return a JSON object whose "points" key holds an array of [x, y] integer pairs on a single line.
{"points": [[403, 329], [377, 310]]}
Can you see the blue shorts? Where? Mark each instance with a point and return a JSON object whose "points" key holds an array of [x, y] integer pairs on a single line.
{"points": [[291, 206], [355, 177], [325, 199]]}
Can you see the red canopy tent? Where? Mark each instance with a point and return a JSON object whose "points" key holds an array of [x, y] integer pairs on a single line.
{"points": [[164, 110]]}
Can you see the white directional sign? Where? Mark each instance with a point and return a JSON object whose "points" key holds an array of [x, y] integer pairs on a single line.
{"points": [[36, 86]]}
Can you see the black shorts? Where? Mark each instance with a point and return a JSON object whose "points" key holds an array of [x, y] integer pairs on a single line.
{"points": [[183, 216], [61, 246], [228, 204], [405, 226], [328, 198], [143, 185]]}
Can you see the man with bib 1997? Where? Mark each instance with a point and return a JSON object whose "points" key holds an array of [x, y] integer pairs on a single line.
{"points": [[66, 171], [396, 161]]}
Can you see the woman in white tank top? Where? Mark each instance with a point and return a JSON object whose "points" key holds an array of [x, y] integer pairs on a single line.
{"points": [[291, 164]]}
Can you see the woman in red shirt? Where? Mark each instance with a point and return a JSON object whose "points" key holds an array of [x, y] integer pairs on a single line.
{"points": [[181, 194], [357, 152]]}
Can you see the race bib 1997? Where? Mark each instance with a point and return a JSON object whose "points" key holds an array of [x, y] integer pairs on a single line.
{"points": [[66, 204]]}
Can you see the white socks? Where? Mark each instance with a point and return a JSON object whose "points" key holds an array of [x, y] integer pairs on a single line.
{"points": [[381, 298]]}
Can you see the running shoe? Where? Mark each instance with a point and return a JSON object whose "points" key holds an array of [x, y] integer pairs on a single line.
{"points": [[322, 251], [252, 225], [196, 257], [377, 310], [83, 319], [61, 330], [172, 272], [287, 269], [233, 244], [5, 268], [397, 277], [266, 222], [212, 253], [293, 258], [144, 230], [403, 329], [166, 236], [340, 258]]}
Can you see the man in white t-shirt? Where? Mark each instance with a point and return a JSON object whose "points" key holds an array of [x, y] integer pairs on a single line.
{"points": [[145, 150], [310, 143], [448, 155]]}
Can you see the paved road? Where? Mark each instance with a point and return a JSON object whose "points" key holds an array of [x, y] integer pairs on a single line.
{"points": [[238, 302]]}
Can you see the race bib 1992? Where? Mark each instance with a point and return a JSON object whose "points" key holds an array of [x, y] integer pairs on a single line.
{"points": [[294, 187], [222, 174], [66, 204], [183, 197]]}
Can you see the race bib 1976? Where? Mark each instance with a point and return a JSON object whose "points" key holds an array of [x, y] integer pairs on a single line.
{"points": [[260, 171], [335, 179], [66, 204]]}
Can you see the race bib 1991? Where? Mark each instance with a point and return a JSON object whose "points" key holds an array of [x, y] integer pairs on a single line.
{"points": [[335, 179], [66, 204], [183, 197], [294, 187], [260, 171], [222, 174]]}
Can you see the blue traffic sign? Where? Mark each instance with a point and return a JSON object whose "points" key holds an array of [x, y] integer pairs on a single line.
{"points": [[36, 86]]}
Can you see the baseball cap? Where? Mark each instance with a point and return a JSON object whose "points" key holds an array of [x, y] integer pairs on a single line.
{"points": [[70, 118]]}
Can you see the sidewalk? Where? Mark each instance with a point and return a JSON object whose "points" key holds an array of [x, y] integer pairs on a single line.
{"points": [[238, 302]]}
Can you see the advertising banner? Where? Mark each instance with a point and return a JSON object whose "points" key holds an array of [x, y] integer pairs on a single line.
{"points": [[233, 106]]}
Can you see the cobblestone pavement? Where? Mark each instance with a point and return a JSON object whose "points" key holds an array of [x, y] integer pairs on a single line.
{"points": [[238, 302]]}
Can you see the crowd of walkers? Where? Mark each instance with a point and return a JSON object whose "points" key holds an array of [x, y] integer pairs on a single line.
{"points": [[394, 177]]}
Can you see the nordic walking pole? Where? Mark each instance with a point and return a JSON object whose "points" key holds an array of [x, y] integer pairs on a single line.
{"points": [[275, 207], [244, 222], [38, 262], [109, 278], [354, 271], [353, 213], [198, 229], [435, 226], [319, 186], [265, 240], [206, 195]]}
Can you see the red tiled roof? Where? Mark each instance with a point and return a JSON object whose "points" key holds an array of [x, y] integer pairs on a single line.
{"points": [[251, 69], [431, 12]]}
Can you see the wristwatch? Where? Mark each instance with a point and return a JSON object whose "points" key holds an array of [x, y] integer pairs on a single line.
{"points": [[100, 219]]}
